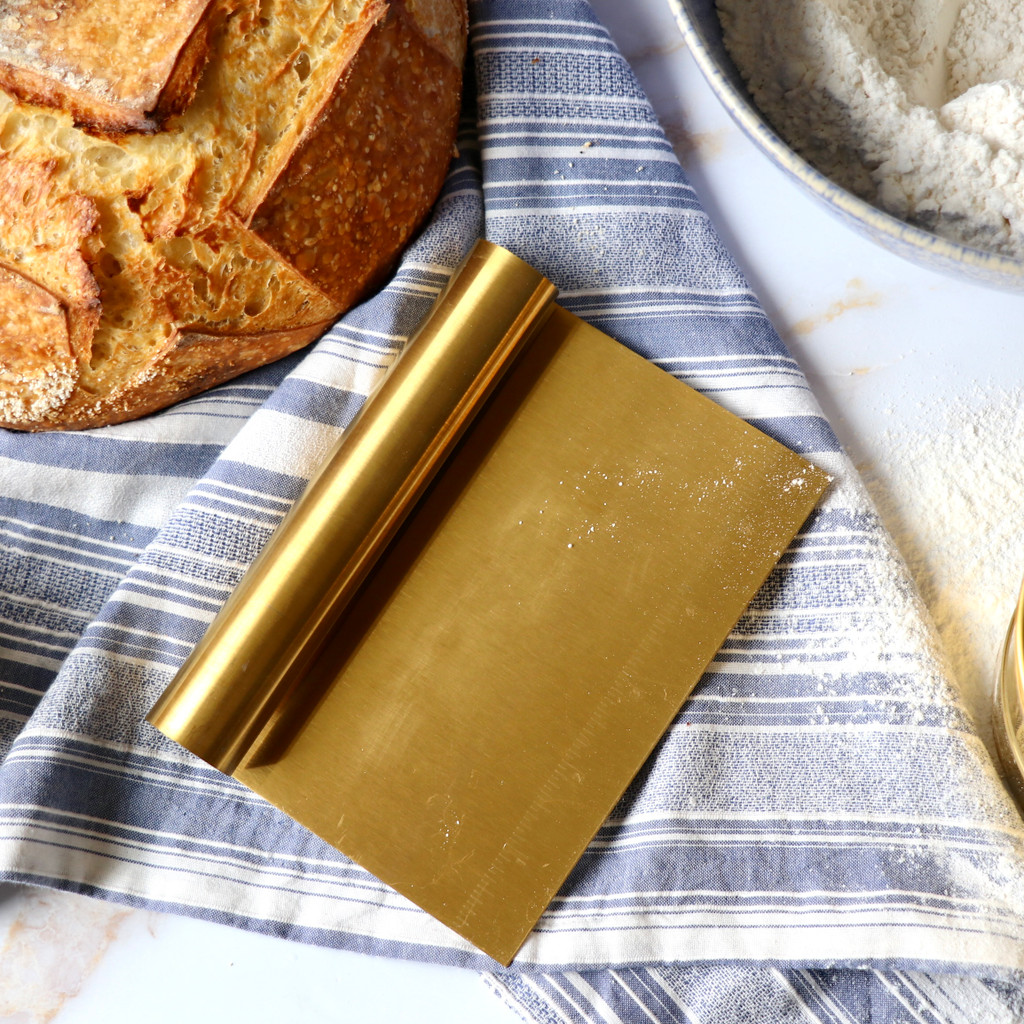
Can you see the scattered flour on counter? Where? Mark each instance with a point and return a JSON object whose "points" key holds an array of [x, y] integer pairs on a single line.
{"points": [[915, 105], [953, 501]]}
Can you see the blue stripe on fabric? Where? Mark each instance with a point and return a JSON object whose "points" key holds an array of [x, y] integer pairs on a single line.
{"points": [[239, 498], [573, 75], [805, 435], [554, 197], [23, 682], [217, 539], [104, 454], [318, 403], [119, 643], [256, 478], [210, 606], [227, 506], [57, 568], [590, 142], [68, 521]]}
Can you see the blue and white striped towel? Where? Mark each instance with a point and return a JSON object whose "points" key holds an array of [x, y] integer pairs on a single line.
{"points": [[820, 837]]}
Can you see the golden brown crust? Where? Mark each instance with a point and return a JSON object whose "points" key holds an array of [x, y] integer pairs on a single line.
{"points": [[105, 63], [367, 174], [94, 112], [180, 87], [250, 292], [442, 23], [37, 365], [265, 164], [152, 266], [43, 239], [192, 363]]}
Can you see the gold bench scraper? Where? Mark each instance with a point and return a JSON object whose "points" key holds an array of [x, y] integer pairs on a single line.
{"points": [[464, 641]]}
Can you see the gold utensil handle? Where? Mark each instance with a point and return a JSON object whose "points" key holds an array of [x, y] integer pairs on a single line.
{"points": [[274, 622]]}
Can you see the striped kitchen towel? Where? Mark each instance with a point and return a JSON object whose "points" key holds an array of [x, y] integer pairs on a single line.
{"points": [[821, 836]]}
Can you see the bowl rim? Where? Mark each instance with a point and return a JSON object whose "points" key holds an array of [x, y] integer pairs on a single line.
{"points": [[741, 108]]}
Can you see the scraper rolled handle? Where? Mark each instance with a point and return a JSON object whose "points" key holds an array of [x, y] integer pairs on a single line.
{"points": [[272, 625]]}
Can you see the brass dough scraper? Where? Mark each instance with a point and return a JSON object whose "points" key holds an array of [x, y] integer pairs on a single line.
{"points": [[486, 609]]}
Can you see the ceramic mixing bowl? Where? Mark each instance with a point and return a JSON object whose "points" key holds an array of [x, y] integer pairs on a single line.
{"points": [[699, 24]]}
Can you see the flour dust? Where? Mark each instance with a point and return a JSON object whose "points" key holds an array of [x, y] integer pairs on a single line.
{"points": [[915, 105], [952, 499]]}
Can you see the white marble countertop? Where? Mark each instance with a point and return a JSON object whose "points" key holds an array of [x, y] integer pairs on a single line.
{"points": [[921, 376]]}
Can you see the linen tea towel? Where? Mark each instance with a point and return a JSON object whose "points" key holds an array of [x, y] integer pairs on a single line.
{"points": [[767, 864]]}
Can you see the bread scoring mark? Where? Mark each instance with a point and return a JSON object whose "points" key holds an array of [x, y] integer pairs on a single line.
{"points": [[367, 174], [251, 290]]}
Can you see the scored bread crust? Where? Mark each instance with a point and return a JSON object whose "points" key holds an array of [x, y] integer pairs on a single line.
{"points": [[386, 136], [110, 64], [137, 269]]}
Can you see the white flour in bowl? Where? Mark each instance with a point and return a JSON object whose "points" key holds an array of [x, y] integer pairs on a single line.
{"points": [[915, 105]]}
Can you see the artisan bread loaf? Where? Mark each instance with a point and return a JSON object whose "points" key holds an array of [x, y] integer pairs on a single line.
{"points": [[185, 205]]}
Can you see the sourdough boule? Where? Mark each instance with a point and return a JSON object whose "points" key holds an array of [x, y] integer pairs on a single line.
{"points": [[178, 220]]}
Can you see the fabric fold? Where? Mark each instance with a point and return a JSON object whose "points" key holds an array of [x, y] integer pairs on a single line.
{"points": [[821, 831]]}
